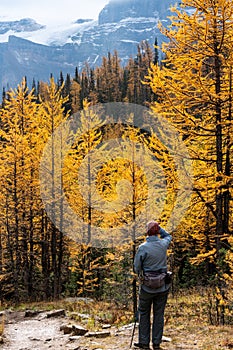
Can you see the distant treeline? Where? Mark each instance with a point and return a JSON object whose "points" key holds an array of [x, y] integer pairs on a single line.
{"points": [[110, 82]]}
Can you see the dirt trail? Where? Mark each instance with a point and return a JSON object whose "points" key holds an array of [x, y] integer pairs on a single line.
{"points": [[37, 333], [42, 333]]}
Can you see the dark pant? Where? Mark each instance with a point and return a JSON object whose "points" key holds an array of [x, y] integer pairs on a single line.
{"points": [[146, 300]]}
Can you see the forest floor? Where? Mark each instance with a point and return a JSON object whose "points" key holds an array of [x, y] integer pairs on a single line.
{"points": [[186, 327]]}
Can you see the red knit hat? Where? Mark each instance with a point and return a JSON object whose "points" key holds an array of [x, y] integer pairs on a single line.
{"points": [[152, 224]]}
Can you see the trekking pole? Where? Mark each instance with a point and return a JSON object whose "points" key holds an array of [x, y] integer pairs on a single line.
{"points": [[134, 327]]}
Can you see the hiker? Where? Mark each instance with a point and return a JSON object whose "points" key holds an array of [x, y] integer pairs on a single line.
{"points": [[150, 264]]}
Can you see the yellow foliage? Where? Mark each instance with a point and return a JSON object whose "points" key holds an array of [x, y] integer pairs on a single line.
{"points": [[210, 255], [2, 325], [194, 88]]}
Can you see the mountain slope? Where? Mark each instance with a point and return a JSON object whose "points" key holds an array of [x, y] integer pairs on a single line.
{"points": [[33, 50]]}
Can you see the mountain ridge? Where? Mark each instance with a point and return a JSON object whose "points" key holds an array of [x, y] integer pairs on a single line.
{"points": [[119, 28]]}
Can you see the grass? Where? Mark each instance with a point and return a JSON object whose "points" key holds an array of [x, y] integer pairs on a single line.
{"points": [[2, 325], [188, 322]]}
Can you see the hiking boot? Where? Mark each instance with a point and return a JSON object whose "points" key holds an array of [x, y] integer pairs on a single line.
{"points": [[142, 346], [157, 347]]}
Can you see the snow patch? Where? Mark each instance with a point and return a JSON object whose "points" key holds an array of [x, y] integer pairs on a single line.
{"points": [[139, 19], [96, 59], [54, 35], [129, 41]]}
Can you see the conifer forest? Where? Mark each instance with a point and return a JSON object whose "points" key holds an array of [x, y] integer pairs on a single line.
{"points": [[188, 82]]}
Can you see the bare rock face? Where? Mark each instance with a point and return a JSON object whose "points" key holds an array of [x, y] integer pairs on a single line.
{"points": [[116, 10]]}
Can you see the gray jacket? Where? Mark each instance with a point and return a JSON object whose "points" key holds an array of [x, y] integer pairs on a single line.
{"points": [[152, 256]]}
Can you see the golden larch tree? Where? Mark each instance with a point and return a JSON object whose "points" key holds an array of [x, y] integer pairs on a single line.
{"points": [[194, 89]]}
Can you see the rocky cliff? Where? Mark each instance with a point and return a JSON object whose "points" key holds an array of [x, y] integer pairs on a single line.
{"points": [[117, 10]]}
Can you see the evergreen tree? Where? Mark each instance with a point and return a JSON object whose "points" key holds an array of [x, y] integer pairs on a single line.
{"points": [[156, 53]]}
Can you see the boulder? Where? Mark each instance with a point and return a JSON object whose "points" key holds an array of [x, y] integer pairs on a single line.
{"points": [[79, 330], [56, 313], [100, 334]]}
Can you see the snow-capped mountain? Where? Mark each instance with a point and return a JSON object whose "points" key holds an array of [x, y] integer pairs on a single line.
{"points": [[53, 35], [23, 25], [31, 49]]}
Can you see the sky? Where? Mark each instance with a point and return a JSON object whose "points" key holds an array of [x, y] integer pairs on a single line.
{"points": [[50, 11]]}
